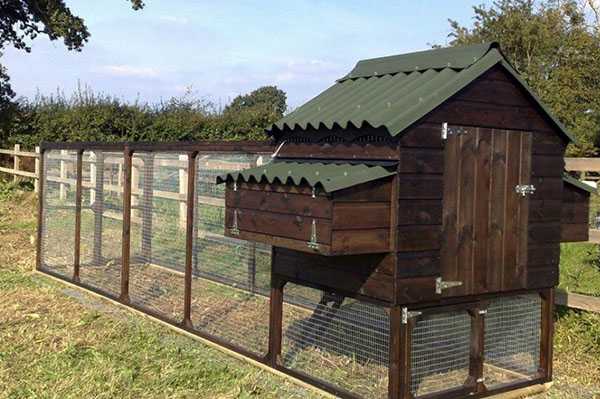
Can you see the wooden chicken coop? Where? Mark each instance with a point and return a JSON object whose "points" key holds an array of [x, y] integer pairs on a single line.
{"points": [[432, 186]]}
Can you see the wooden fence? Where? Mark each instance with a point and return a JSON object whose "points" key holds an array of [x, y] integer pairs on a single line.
{"points": [[16, 170]]}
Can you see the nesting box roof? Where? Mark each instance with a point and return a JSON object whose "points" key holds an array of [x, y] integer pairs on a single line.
{"points": [[394, 92], [329, 177]]}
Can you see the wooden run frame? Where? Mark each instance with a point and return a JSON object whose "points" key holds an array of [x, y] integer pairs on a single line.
{"points": [[400, 330]]}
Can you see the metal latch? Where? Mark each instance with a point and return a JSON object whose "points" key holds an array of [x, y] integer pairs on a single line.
{"points": [[409, 314], [441, 285], [312, 244], [446, 131], [234, 230], [525, 189]]}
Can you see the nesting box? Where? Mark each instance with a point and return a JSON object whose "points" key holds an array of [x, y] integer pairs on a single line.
{"points": [[421, 180]]}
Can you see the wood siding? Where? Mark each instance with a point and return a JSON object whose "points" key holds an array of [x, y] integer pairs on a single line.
{"points": [[574, 214]]}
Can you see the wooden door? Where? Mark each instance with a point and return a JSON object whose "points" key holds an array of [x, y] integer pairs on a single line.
{"points": [[485, 219]]}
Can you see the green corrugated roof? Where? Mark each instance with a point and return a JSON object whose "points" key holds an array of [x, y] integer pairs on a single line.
{"points": [[327, 176], [394, 92], [567, 178]]}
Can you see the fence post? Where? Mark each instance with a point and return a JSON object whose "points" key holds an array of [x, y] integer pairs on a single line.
{"points": [[63, 175], [126, 237], [146, 205], [36, 181], [78, 192], [547, 333], [183, 183], [97, 203], [40, 215], [16, 162], [275, 319], [189, 239]]}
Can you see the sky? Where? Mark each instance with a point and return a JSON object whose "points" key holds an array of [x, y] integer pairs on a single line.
{"points": [[219, 49]]}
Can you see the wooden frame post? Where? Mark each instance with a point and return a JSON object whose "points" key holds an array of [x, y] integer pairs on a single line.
{"points": [[126, 238], [36, 181], [97, 203], [147, 204], [189, 239], [399, 369], [40, 215], [475, 381], [547, 333], [275, 319], [78, 192]]}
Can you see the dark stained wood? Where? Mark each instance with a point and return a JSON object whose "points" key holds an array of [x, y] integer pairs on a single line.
{"points": [[547, 333], [575, 232], [279, 202], [542, 277], [481, 265], [547, 188], [298, 245], [511, 216], [415, 290], [545, 210], [497, 209], [78, 195], [374, 191], [544, 255], [126, 238], [476, 351], [353, 215], [574, 217], [423, 135], [420, 212], [40, 210], [419, 237], [449, 242], [465, 216], [360, 241], [399, 368], [275, 319], [189, 238], [422, 161], [540, 233], [418, 264], [519, 277], [421, 187], [547, 165]]}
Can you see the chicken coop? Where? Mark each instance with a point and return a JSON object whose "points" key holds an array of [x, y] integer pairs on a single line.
{"points": [[398, 238]]}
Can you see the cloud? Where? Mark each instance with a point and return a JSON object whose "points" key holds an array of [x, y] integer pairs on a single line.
{"points": [[129, 70], [303, 70], [174, 19]]}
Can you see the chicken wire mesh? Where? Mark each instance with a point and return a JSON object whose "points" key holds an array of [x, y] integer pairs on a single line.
{"points": [[231, 277], [339, 340], [58, 224], [512, 339], [440, 349], [102, 220]]}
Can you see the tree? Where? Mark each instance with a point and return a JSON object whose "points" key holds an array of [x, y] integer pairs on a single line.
{"points": [[23, 20], [555, 49], [269, 98]]}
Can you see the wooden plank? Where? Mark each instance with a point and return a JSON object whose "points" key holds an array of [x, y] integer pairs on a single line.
{"points": [[465, 218], [420, 212], [399, 368], [594, 236], [481, 264], [540, 233], [126, 238], [422, 161], [578, 301], [418, 264], [511, 216], [547, 333], [519, 279], [40, 213], [424, 135], [189, 238], [547, 165], [78, 195], [275, 319], [449, 242], [582, 164], [497, 210], [374, 191], [18, 172], [296, 204], [421, 186], [574, 232], [419, 238], [280, 225], [545, 210], [360, 215], [547, 254], [360, 241], [298, 245]]}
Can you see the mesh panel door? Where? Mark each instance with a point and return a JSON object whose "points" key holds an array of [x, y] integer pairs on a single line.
{"points": [[512, 339], [231, 277], [58, 224], [440, 349], [342, 341], [158, 232], [102, 220]]}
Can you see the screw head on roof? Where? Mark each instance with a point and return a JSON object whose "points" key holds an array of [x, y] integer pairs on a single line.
{"points": [[289, 172], [317, 173], [345, 173], [449, 64], [389, 104], [358, 106], [416, 67]]}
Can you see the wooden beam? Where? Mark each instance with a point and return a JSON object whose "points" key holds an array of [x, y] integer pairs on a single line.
{"points": [[582, 164], [275, 318], [189, 239], [126, 238], [399, 368], [547, 333], [577, 301], [40, 215], [78, 192]]}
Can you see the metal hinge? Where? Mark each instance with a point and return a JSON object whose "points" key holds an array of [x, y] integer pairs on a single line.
{"points": [[441, 285], [524, 189], [234, 230], [312, 244], [409, 314], [447, 131]]}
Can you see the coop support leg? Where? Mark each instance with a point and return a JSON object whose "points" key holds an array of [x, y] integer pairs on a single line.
{"points": [[399, 369], [78, 192], [146, 204], [547, 333], [126, 240], [189, 240], [475, 382], [275, 320]]}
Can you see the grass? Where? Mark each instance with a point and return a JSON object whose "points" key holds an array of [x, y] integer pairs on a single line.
{"points": [[57, 342]]}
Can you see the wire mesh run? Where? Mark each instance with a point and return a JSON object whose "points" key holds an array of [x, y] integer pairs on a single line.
{"points": [[58, 224], [339, 340], [512, 339], [102, 220], [440, 352], [231, 278]]}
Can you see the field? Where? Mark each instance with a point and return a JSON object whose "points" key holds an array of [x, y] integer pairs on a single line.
{"points": [[59, 342]]}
